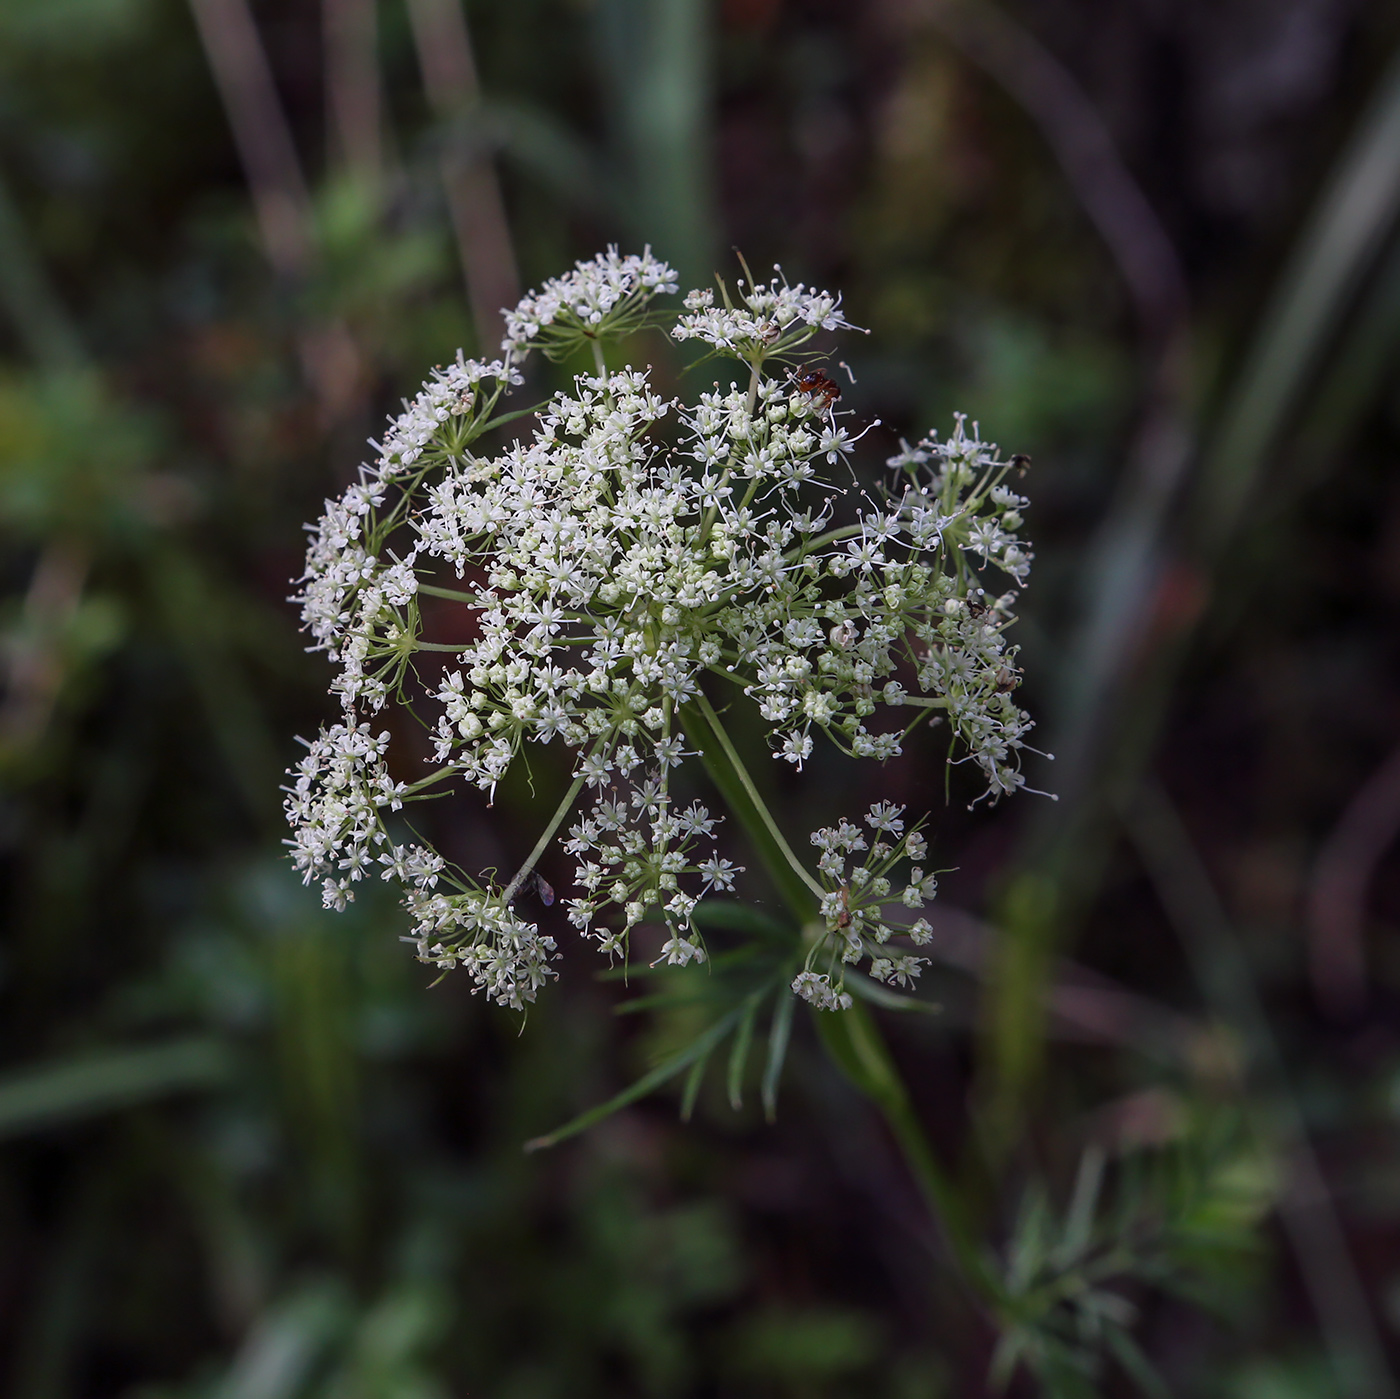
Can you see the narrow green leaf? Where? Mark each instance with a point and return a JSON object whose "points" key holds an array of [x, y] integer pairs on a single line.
{"points": [[1005, 1359], [1338, 247], [853, 1042], [1140, 1369], [723, 962], [691, 1092], [870, 990], [664, 1000], [286, 1345], [732, 916], [502, 419], [778, 1038], [710, 743], [663, 1073], [1079, 1222], [739, 1055], [107, 1080]]}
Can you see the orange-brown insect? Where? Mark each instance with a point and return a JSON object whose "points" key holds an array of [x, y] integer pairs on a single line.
{"points": [[843, 919], [822, 391]]}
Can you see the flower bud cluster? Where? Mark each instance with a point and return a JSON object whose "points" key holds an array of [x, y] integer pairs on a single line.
{"points": [[852, 908], [350, 592], [767, 321], [608, 295], [633, 855], [627, 549]]}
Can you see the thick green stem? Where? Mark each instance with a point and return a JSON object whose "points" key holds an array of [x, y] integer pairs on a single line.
{"points": [[451, 594], [751, 402], [428, 781], [853, 1040], [832, 536], [556, 821], [851, 1037], [772, 839], [792, 890]]}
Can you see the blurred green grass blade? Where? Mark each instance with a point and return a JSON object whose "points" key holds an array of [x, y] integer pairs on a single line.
{"points": [[1317, 359], [1354, 218], [539, 144], [1079, 1222], [656, 69], [285, 1345], [106, 1081], [698, 1048], [1132, 1358], [732, 916], [779, 1037], [664, 1000], [1356, 368], [739, 1055], [36, 315], [691, 1092], [878, 995]]}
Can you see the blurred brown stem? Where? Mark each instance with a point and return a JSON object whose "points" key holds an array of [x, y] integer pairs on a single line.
{"points": [[353, 102], [1337, 894], [1084, 147], [278, 188], [1127, 563], [34, 665], [473, 191], [260, 131]]}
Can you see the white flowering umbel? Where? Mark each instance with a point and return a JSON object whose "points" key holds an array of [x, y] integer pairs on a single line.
{"points": [[628, 554], [854, 900]]}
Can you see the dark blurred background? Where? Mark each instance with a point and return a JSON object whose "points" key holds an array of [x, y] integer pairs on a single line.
{"points": [[248, 1151]]}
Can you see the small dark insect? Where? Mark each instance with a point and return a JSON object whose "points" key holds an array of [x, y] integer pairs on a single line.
{"points": [[1021, 462], [822, 391], [544, 889]]}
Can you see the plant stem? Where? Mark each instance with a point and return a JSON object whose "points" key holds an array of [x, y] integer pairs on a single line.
{"points": [[851, 1037], [451, 594], [556, 821], [741, 773], [428, 780], [853, 1040], [830, 537]]}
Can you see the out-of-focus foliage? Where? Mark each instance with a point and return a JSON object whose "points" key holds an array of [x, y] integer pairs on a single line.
{"points": [[246, 1151]]}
